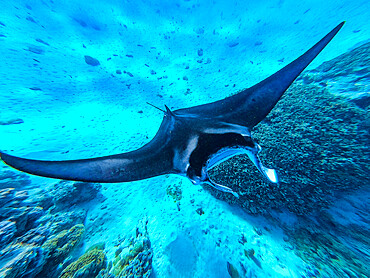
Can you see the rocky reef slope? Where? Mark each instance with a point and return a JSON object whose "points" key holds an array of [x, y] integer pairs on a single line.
{"points": [[317, 138]]}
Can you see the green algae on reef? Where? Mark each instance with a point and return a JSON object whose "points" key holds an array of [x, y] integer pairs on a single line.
{"points": [[88, 265]]}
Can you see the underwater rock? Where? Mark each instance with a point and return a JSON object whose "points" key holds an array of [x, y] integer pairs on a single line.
{"points": [[91, 61], [88, 265], [66, 194], [33, 242], [36, 232], [22, 234], [21, 260], [7, 174], [60, 245], [42, 199], [34, 215], [6, 197], [12, 179], [104, 273], [317, 141], [200, 52], [134, 260], [63, 220], [7, 232], [36, 236], [15, 208], [19, 216]]}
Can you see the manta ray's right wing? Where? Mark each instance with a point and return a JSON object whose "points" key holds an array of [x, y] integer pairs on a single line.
{"points": [[250, 106]]}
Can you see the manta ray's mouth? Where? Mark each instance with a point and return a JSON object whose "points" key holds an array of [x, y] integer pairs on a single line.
{"points": [[229, 152]]}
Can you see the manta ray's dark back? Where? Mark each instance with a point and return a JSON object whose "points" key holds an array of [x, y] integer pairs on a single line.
{"points": [[187, 138]]}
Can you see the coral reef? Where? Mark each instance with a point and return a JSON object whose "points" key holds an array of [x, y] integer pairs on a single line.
{"points": [[88, 265], [28, 259], [317, 141], [134, 258], [58, 247], [342, 252], [37, 233]]}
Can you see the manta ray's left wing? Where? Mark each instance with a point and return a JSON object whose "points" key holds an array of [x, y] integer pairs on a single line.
{"points": [[153, 159], [250, 106]]}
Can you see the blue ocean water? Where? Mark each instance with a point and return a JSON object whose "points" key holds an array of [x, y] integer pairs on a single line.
{"points": [[76, 80]]}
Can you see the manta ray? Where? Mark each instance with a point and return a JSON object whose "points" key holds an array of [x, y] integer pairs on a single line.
{"points": [[190, 141]]}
